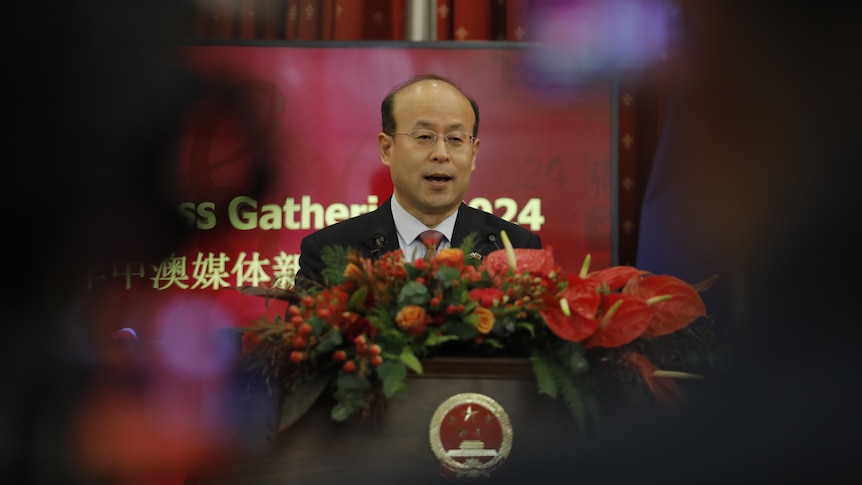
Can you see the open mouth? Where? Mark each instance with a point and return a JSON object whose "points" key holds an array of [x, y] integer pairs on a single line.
{"points": [[438, 178]]}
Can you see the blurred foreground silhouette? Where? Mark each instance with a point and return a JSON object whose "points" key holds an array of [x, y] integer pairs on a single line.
{"points": [[99, 96], [757, 181]]}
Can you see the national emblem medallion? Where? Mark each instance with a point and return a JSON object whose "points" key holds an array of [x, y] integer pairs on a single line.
{"points": [[471, 436]]}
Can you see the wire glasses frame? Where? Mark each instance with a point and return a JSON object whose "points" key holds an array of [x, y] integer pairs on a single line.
{"points": [[455, 139]]}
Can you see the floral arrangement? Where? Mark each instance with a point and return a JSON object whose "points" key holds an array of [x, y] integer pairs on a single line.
{"points": [[376, 321]]}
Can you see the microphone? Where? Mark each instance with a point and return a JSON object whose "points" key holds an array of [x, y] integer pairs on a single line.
{"points": [[379, 242], [492, 238]]}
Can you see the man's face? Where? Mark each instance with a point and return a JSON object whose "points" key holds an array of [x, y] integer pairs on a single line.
{"points": [[430, 181]]}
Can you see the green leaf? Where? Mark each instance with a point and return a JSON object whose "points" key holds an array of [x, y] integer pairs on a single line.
{"points": [[437, 339], [295, 404], [412, 272], [357, 299], [409, 359], [335, 261], [463, 330], [352, 382], [393, 374], [528, 327], [388, 368], [394, 386], [505, 325], [468, 244], [351, 390], [594, 411], [448, 274], [554, 379], [494, 343], [544, 375], [469, 305], [330, 341], [471, 319], [341, 411], [414, 293], [573, 355], [584, 407], [578, 363]]}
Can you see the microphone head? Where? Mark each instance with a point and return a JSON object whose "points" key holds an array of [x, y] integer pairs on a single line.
{"points": [[379, 239], [489, 234]]}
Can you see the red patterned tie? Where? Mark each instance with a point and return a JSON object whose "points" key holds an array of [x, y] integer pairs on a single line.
{"points": [[431, 239]]}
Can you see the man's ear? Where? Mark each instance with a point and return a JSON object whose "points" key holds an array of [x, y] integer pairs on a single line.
{"points": [[384, 141]]}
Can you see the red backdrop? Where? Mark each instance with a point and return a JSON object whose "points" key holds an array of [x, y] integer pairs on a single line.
{"points": [[291, 147]]}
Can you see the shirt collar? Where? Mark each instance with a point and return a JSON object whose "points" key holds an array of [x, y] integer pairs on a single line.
{"points": [[409, 227]]}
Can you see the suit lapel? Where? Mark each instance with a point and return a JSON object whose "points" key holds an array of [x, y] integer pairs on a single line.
{"points": [[466, 222], [471, 220], [379, 235]]}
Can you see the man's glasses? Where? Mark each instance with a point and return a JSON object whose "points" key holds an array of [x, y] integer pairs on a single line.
{"points": [[425, 138]]}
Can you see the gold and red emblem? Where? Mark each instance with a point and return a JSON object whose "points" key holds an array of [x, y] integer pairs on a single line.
{"points": [[471, 436]]}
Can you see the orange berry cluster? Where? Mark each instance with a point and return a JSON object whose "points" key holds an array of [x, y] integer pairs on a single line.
{"points": [[298, 334], [366, 354], [526, 291]]}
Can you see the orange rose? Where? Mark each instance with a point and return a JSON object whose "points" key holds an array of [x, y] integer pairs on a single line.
{"points": [[451, 257], [412, 319], [486, 320], [353, 272]]}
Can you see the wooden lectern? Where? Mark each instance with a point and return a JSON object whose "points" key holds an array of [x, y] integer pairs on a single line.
{"points": [[397, 448]]}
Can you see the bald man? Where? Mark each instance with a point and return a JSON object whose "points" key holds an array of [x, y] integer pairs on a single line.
{"points": [[429, 142]]}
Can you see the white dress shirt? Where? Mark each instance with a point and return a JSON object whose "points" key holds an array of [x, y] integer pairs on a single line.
{"points": [[409, 228]]}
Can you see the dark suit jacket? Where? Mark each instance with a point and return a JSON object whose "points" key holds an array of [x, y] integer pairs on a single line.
{"points": [[374, 234]]}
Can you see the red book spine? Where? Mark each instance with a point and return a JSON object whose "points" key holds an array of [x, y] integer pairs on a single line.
{"points": [[444, 19], [327, 19], [498, 20], [268, 19], [471, 19], [202, 26], [291, 17], [398, 19], [348, 20], [247, 19], [517, 20], [224, 15], [377, 20], [308, 17]]}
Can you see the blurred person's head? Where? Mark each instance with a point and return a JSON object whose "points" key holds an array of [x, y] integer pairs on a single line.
{"points": [[429, 144]]}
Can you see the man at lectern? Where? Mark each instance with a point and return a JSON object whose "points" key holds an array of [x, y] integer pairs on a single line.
{"points": [[429, 142]]}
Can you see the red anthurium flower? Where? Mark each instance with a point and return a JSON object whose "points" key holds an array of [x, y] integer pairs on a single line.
{"points": [[583, 302], [574, 327], [528, 260], [617, 276], [623, 319], [665, 390], [583, 296], [668, 315]]}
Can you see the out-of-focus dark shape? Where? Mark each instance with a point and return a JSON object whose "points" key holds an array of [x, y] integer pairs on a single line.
{"points": [[757, 182], [99, 96]]}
